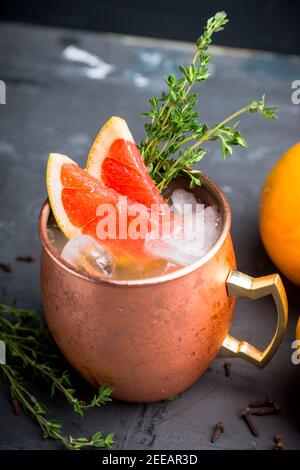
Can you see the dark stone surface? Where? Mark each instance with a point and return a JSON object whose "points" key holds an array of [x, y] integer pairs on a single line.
{"points": [[271, 25], [53, 105]]}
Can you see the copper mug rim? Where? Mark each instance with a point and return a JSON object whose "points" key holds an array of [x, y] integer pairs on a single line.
{"points": [[207, 182]]}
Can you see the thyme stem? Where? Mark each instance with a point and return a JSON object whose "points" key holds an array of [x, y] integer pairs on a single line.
{"points": [[32, 348], [174, 138]]}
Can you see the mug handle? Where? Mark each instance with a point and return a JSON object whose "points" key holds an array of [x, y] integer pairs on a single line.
{"points": [[239, 284]]}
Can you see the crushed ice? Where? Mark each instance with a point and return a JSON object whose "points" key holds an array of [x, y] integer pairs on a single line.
{"points": [[196, 232]]}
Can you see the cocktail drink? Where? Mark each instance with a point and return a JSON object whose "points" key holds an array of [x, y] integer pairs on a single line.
{"points": [[139, 293], [138, 268], [198, 228]]}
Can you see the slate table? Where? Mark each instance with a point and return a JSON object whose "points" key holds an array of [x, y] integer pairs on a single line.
{"points": [[58, 96]]}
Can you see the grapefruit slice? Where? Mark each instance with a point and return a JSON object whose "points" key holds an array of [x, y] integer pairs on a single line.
{"points": [[116, 160], [75, 197]]}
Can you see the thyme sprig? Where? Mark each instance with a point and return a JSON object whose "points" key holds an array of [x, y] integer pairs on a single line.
{"points": [[32, 352], [174, 130]]}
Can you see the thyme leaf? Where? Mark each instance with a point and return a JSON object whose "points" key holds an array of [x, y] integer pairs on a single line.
{"points": [[175, 139], [32, 352]]}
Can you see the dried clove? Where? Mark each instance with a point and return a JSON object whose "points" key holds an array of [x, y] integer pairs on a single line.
{"points": [[16, 405], [27, 258], [218, 430], [227, 368], [267, 410], [7, 267], [245, 415], [267, 401], [278, 442]]}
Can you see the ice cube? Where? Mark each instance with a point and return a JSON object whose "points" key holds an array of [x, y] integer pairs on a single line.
{"points": [[85, 253], [180, 198], [212, 226], [192, 244], [172, 251]]}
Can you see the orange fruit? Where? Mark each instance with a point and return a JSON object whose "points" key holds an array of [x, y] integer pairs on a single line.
{"points": [[279, 214], [75, 196], [116, 160]]}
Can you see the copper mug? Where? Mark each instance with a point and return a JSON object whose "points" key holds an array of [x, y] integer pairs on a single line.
{"points": [[152, 338]]}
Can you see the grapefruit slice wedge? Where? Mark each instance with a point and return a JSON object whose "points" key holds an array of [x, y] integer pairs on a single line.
{"points": [[116, 160], [75, 197], [55, 188]]}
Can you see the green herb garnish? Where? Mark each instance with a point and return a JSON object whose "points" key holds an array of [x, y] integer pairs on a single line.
{"points": [[32, 352], [174, 130]]}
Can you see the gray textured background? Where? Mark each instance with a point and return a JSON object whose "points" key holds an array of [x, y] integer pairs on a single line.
{"points": [[53, 105]]}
